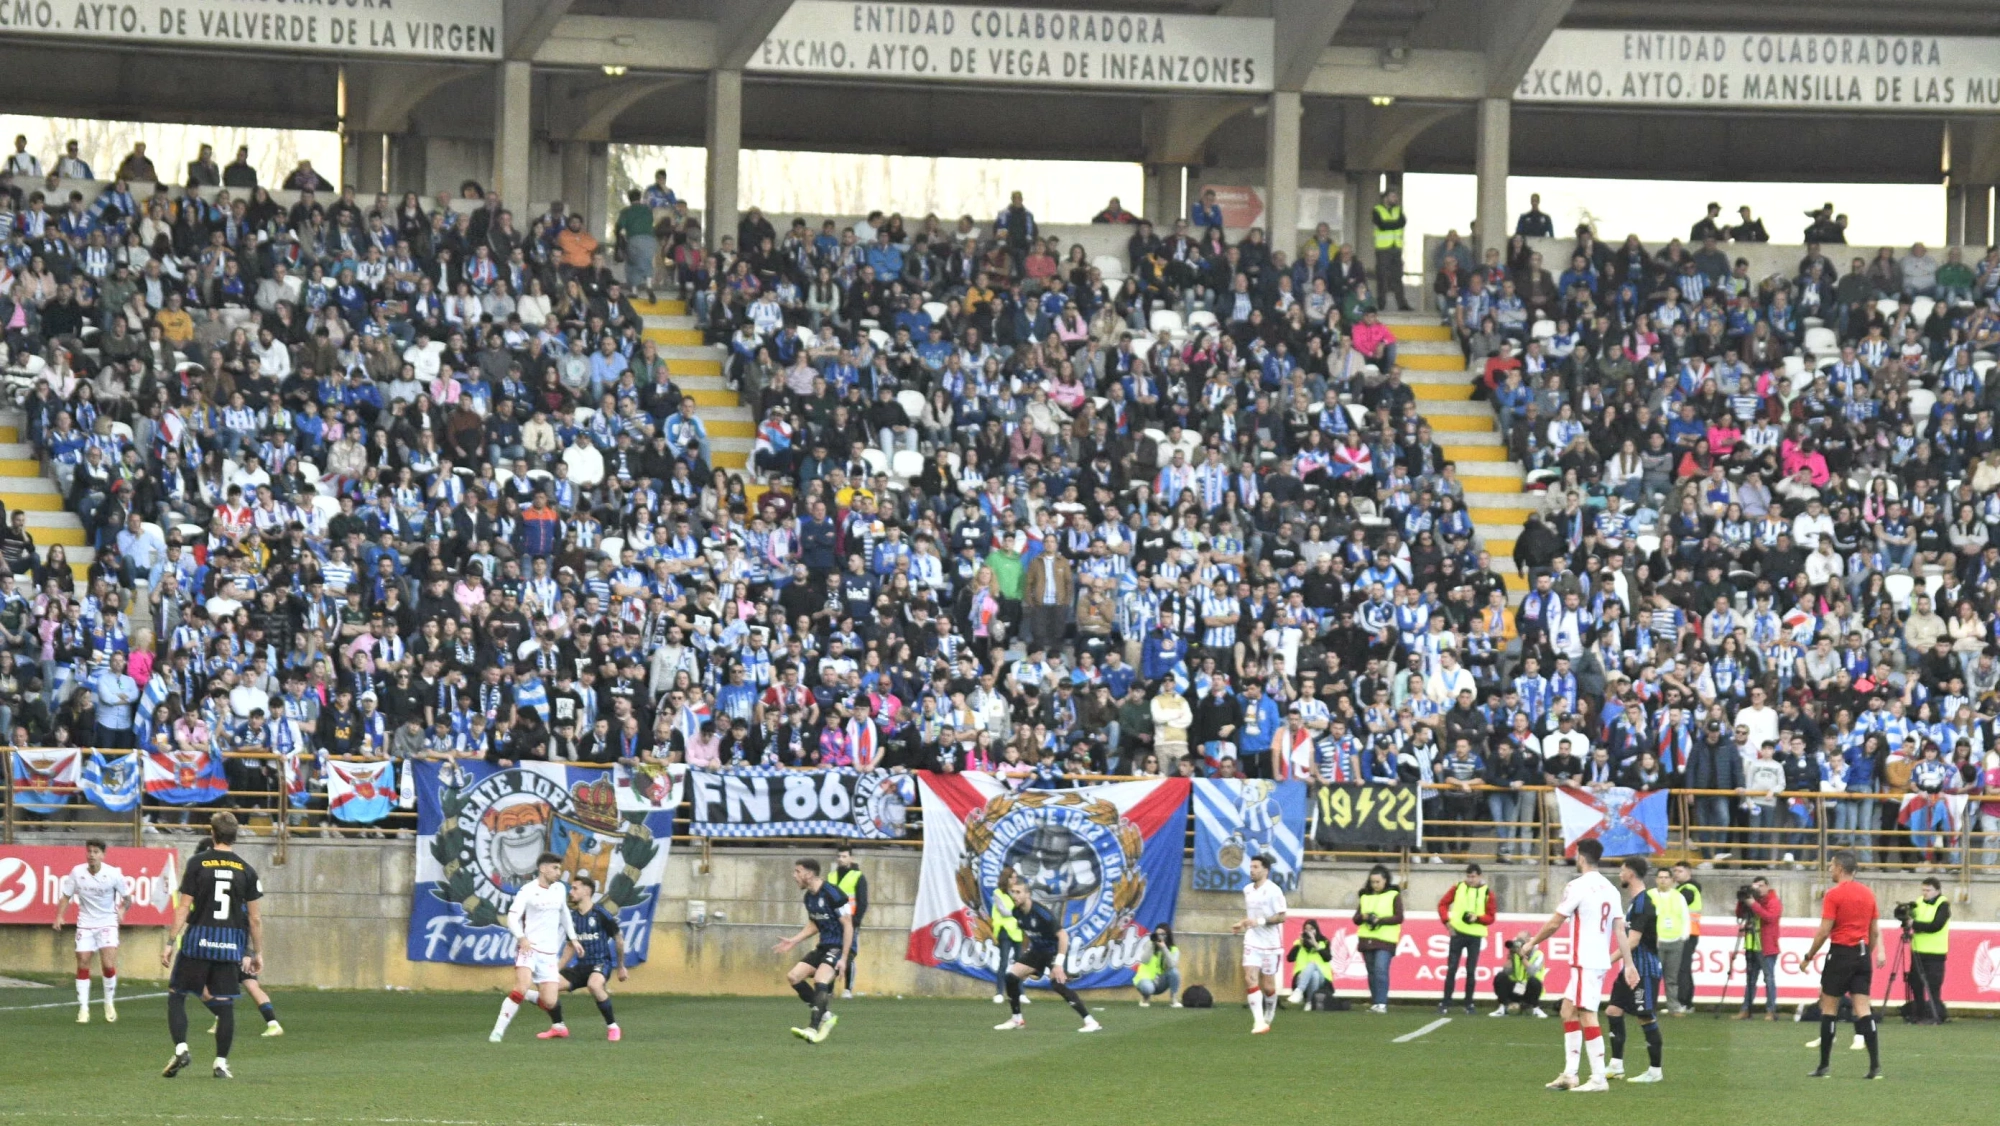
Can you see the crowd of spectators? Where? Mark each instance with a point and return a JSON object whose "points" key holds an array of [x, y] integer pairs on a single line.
{"points": [[421, 481]]}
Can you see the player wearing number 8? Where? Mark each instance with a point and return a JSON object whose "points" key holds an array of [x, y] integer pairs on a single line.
{"points": [[218, 929]]}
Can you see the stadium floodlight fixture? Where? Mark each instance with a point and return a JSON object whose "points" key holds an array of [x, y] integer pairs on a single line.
{"points": [[614, 70], [1382, 100]]}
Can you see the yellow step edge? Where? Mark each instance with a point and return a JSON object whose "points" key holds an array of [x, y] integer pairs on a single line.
{"points": [[1426, 334], [713, 398], [1475, 483], [683, 336], [704, 367], [1441, 423], [10, 433], [661, 308], [729, 427], [731, 459], [1442, 392], [20, 467], [1464, 454], [33, 502], [1517, 582], [68, 537], [1427, 363]]}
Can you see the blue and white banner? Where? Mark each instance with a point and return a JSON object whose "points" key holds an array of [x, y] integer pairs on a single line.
{"points": [[112, 783], [772, 801], [360, 792], [1238, 819], [1626, 822], [44, 780], [481, 827]]}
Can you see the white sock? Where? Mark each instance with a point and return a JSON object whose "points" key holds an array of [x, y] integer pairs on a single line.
{"points": [[181, 1048], [1572, 1049], [1257, 1005], [1270, 1007], [110, 988], [508, 1008], [222, 1061], [1594, 1046], [83, 991]]}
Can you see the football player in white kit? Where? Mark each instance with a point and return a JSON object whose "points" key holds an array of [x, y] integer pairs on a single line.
{"points": [[1595, 915], [540, 922], [101, 902], [1263, 929]]}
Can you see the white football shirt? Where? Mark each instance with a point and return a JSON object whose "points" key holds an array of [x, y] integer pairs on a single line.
{"points": [[542, 913], [97, 894], [1593, 908], [1262, 903]]}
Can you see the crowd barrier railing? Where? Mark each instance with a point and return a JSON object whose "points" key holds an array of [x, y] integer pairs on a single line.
{"points": [[1713, 829]]}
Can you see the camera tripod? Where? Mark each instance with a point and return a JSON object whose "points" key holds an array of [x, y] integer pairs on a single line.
{"points": [[1729, 979], [1903, 961]]}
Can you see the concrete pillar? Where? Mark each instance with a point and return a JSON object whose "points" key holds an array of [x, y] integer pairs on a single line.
{"points": [[363, 160], [725, 145], [513, 132], [1162, 204], [1978, 218], [1954, 214], [585, 183], [407, 153], [1281, 178], [1364, 192], [598, 214], [1494, 125]]}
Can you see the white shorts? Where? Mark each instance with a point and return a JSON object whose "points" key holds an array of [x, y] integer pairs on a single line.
{"points": [[1586, 988], [89, 940], [1265, 960], [541, 967]]}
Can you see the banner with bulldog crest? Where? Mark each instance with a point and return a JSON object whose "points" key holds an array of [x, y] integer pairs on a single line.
{"points": [[480, 829], [1106, 858]]}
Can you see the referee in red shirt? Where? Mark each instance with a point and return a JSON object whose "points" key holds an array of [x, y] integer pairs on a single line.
{"points": [[1847, 921]]}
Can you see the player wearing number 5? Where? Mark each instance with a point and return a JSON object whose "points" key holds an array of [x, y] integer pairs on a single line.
{"points": [[1593, 913], [218, 931]]}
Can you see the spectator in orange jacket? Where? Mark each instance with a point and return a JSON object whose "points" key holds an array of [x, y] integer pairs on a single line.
{"points": [[575, 245]]}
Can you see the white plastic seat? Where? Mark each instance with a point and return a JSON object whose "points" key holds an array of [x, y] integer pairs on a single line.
{"points": [[1204, 320], [1887, 306], [1543, 330], [326, 506], [906, 464], [502, 474], [806, 337], [1356, 415], [189, 531], [1647, 544], [878, 338], [936, 310], [1795, 366], [123, 430], [1822, 342], [1111, 266], [912, 403], [1922, 399], [1165, 320], [612, 547], [309, 471], [156, 530], [1899, 586], [1933, 582], [1981, 368], [540, 475], [878, 462], [582, 415], [1921, 307]]}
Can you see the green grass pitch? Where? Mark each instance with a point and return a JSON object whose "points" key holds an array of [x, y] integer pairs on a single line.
{"points": [[417, 1058]]}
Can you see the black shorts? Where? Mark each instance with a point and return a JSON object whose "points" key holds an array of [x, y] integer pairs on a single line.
{"points": [[1847, 971], [822, 956], [1635, 1002], [193, 975], [577, 976], [1036, 960]]}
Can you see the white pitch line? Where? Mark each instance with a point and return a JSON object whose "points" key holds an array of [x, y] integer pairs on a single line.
{"points": [[1431, 1027], [72, 1004]]}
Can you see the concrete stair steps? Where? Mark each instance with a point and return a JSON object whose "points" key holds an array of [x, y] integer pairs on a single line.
{"points": [[728, 427], [11, 467], [17, 450], [1447, 427], [1457, 390], [1455, 377], [710, 366], [10, 433], [1442, 347], [699, 382], [1470, 453], [1480, 413], [680, 352], [661, 308], [661, 320]]}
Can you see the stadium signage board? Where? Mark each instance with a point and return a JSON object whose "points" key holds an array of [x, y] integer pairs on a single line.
{"points": [[1765, 70], [1028, 46], [428, 29], [31, 882]]}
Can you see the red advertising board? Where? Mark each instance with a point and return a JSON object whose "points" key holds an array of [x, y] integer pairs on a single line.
{"points": [[1241, 204], [1972, 971], [31, 882]]}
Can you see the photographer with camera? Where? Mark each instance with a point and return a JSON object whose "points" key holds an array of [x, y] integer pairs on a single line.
{"points": [[1312, 964], [1758, 910], [1927, 932], [1159, 968], [1519, 982]]}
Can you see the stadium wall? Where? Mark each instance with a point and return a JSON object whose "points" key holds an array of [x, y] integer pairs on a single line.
{"points": [[336, 915]]}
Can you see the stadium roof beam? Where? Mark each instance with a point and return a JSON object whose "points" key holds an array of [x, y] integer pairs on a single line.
{"points": [[528, 24], [740, 28], [636, 44], [1303, 28]]}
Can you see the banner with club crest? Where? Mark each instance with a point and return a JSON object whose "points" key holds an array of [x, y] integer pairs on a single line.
{"points": [[1237, 820], [480, 829], [1106, 858]]}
